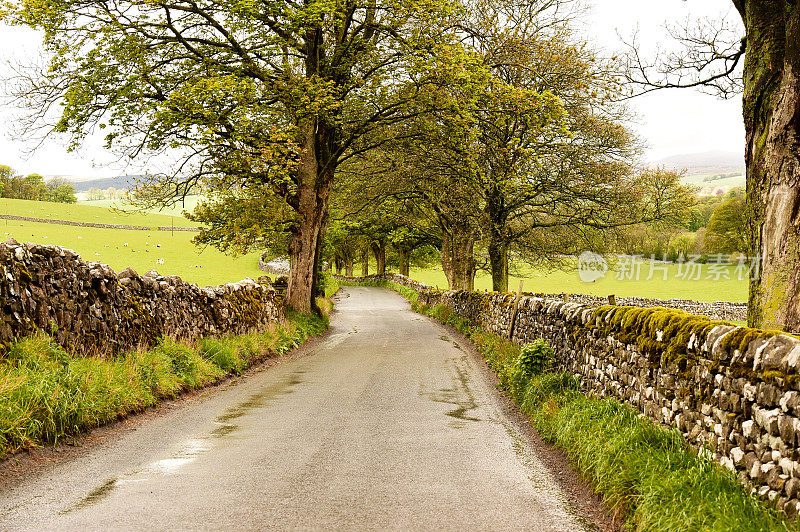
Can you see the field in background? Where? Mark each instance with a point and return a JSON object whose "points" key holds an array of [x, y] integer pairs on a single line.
{"points": [[708, 186], [88, 213], [208, 266], [142, 252], [556, 282], [176, 210]]}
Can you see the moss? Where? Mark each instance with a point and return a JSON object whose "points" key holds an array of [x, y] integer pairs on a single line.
{"points": [[739, 339], [774, 288], [641, 326], [25, 276]]}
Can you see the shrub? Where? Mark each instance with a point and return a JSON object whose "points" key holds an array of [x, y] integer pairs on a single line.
{"points": [[534, 358]]}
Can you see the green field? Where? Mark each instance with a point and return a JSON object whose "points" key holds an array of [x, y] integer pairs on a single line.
{"points": [[87, 213], [176, 210], [209, 266], [181, 257], [557, 282], [709, 186]]}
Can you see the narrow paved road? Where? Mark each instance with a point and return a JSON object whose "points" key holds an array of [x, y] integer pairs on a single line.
{"points": [[388, 423]]}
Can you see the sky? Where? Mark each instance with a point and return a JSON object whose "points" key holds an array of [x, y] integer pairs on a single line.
{"points": [[670, 122]]}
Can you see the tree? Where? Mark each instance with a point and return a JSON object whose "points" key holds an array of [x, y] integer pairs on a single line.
{"points": [[256, 97], [530, 154], [61, 191], [94, 194], [728, 230], [771, 85], [30, 187], [345, 244]]}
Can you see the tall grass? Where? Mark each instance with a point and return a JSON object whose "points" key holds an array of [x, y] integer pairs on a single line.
{"points": [[47, 393]]}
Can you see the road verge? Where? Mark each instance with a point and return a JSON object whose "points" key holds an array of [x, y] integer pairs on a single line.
{"points": [[47, 393]]}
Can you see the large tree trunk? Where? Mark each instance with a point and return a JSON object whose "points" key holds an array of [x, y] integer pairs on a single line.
{"points": [[348, 266], [458, 260], [772, 121], [498, 261], [315, 175], [405, 261], [498, 243], [338, 264], [379, 251], [365, 262]]}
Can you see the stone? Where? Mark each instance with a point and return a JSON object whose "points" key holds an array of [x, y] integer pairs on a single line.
{"points": [[789, 401], [755, 470], [767, 419], [786, 426], [792, 487], [737, 455], [46, 285]]}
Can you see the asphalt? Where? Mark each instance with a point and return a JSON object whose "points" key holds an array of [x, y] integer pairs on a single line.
{"points": [[387, 423]]}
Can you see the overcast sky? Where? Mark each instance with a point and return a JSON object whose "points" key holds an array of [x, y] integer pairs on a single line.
{"points": [[671, 122]]}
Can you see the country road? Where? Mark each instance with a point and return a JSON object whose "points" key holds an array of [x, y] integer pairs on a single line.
{"points": [[388, 422]]}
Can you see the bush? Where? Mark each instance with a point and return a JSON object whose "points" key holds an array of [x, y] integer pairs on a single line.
{"points": [[534, 358]]}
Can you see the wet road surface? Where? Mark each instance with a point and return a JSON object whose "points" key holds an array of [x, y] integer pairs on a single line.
{"points": [[388, 423]]}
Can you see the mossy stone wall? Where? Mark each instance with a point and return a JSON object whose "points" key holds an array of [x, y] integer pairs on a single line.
{"points": [[91, 309]]}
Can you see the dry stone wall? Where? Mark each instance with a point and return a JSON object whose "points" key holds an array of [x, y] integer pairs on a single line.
{"points": [[733, 392], [716, 310], [91, 309], [95, 225]]}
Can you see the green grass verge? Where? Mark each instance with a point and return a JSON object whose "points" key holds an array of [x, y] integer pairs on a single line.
{"points": [[47, 393], [645, 472]]}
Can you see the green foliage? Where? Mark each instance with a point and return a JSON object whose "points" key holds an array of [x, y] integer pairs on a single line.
{"points": [[534, 358], [329, 285], [681, 245], [33, 187], [47, 393], [729, 226]]}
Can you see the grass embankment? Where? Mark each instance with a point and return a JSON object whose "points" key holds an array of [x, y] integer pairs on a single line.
{"points": [[47, 393], [646, 473]]}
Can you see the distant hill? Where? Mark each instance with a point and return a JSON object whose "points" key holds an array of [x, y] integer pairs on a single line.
{"points": [[709, 163], [119, 182]]}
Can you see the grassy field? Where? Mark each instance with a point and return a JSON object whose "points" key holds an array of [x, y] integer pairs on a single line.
{"points": [[176, 210], [709, 186], [122, 248], [208, 266], [102, 214], [556, 282]]}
